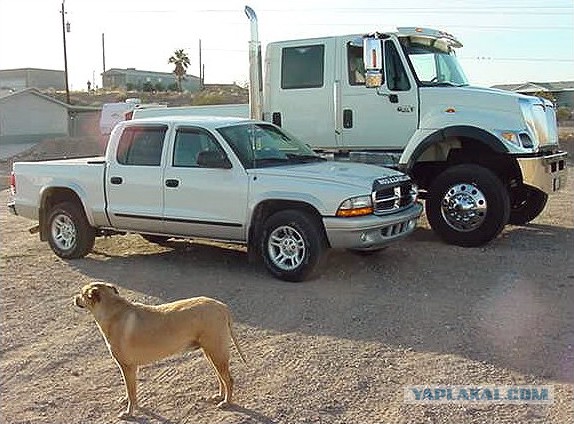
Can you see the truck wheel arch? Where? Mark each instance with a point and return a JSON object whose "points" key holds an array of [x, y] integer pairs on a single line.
{"points": [[52, 196], [477, 146], [267, 208]]}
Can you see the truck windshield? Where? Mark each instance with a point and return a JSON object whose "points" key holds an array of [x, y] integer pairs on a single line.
{"points": [[434, 66], [259, 145]]}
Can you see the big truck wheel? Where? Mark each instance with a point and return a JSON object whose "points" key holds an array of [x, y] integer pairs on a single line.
{"points": [[69, 233], [292, 245], [468, 205], [530, 206]]}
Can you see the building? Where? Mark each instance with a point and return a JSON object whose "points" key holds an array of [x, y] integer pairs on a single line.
{"points": [[134, 79], [562, 91], [22, 78], [29, 116]]}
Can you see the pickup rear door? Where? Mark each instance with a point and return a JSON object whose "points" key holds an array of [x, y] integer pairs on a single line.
{"points": [[134, 179], [203, 199]]}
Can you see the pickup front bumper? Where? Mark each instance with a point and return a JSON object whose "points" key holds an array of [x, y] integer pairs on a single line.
{"points": [[547, 173], [371, 232]]}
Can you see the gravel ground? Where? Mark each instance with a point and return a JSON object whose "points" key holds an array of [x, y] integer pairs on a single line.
{"points": [[338, 349]]}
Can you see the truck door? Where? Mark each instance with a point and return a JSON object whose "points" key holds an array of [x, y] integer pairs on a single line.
{"points": [[300, 89], [203, 199], [384, 118], [134, 179]]}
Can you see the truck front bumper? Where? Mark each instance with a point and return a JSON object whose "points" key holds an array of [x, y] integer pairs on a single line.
{"points": [[547, 173], [371, 232]]}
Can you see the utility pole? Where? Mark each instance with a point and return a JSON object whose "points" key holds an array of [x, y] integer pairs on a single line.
{"points": [[103, 58], [200, 68], [65, 28]]}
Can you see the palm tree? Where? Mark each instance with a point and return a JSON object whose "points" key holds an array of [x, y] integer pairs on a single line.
{"points": [[181, 61]]}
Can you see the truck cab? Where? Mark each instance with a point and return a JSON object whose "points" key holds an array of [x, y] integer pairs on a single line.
{"points": [[482, 158]]}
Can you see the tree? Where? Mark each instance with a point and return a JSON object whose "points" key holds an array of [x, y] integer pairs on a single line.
{"points": [[181, 61]]}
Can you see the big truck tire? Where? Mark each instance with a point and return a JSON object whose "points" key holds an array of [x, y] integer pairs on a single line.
{"points": [[69, 233], [468, 205], [292, 245], [528, 208]]}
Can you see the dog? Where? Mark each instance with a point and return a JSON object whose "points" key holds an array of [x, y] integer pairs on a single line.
{"points": [[138, 334]]}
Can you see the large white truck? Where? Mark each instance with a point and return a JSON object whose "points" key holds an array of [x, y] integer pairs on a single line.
{"points": [[482, 158]]}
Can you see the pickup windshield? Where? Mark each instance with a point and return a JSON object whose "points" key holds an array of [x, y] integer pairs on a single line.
{"points": [[259, 145], [434, 66]]}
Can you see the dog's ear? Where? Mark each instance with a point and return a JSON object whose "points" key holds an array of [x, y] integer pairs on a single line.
{"points": [[93, 295], [114, 288]]}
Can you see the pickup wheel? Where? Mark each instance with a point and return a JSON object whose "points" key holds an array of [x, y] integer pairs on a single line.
{"points": [[69, 233], [292, 244], [468, 205], [529, 207]]}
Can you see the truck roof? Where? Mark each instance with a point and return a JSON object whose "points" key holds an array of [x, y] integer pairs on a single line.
{"points": [[419, 32], [210, 122]]}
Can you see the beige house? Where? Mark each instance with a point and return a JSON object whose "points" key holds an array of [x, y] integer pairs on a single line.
{"points": [[29, 116]]}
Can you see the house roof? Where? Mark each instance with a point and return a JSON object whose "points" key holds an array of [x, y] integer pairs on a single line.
{"points": [[36, 92], [530, 86]]}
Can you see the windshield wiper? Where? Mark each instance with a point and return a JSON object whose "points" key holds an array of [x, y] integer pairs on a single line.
{"points": [[304, 158]]}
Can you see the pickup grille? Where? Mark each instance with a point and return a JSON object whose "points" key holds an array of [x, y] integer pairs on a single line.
{"points": [[392, 194]]}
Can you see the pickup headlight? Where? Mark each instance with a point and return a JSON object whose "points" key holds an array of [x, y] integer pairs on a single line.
{"points": [[356, 206]]}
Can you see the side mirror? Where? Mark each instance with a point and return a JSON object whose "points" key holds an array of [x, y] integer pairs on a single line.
{"points": [[373, 60], [213, 159]]}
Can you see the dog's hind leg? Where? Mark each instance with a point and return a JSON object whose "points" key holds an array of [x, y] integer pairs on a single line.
{"points": [[129, 373], [219, 358]]}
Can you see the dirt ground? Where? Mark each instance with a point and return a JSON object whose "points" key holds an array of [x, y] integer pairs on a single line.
{"points": [[338, 349]]}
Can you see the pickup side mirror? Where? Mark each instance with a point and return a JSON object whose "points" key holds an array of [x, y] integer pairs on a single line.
{"points": [[213, 159], [373, 61]]}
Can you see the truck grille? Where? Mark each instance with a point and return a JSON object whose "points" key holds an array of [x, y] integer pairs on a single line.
{"points": [[393, 193]]}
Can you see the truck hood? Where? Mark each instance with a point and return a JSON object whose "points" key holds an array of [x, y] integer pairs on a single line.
{"points": [[489, 108], [343, 174]]}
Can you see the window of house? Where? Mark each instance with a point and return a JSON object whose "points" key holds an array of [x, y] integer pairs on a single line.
{"points": [[302, 66], [141, 146]]}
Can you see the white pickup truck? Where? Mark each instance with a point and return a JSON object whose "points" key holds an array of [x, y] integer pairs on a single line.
{"points": [[229, 179]]}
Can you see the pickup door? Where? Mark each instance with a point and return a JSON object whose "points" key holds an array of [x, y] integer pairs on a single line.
{"points": [[159, 184]]}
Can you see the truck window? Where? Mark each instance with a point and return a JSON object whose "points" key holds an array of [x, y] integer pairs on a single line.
{"points": [[355, 64], [189, 142], [141, 146], [302, 66], [397, 78]]}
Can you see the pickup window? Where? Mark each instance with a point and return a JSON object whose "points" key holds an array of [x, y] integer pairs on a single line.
{"points": [[189, 143], [141, 146]]}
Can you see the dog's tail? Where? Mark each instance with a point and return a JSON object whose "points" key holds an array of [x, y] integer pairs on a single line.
{"points": [[234, 339]]}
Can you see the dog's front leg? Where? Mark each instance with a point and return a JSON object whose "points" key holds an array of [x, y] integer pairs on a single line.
{"points": [[129, 372]]}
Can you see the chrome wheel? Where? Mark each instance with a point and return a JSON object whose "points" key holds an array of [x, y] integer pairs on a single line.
{"points": [[286, 248], [63, 232], [464, 207]]}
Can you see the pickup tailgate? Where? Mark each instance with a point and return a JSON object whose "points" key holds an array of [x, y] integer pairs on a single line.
{"points": [[83, 176]]}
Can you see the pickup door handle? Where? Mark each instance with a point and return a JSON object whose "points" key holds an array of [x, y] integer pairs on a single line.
{"points": [[116, 180], [172, 183]]}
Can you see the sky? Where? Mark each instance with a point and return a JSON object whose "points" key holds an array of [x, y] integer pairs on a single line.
{"points": [[504, 41]]}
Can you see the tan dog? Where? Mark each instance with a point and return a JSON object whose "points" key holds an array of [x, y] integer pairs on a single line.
{"points": [[137, 334]]}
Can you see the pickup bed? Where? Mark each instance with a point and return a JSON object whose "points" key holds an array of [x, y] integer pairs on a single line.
{"points": [[227, 179]]}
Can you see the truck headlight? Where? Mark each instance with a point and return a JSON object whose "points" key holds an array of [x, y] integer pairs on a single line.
{"points": [[356, 206]]}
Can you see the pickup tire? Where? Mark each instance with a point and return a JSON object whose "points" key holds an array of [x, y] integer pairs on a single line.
{"points": [[530, 206], [70, 235], [292, 244], [468, 205]]}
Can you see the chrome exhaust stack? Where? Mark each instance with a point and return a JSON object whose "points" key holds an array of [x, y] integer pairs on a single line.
{"points": [[255, 69]]}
